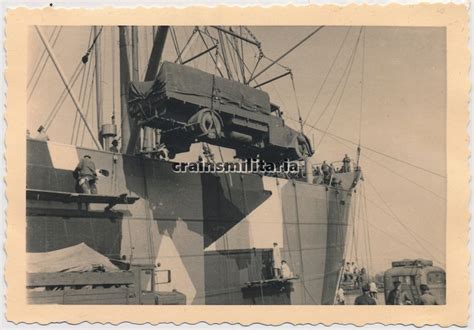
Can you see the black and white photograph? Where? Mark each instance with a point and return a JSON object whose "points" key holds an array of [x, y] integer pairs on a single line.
{"points": [[236, 165]]}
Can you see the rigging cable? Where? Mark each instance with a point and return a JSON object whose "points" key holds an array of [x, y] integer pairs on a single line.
{"points": [[43, 66], [88, 101], [392, 171], [336, 89], [408, 229], [362, 86], [75, 75], [376, 151], [113, 49], [43, 54], [343, 87], [327, 76], [81, 88]]}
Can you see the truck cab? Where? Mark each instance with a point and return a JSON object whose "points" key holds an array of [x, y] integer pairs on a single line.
{"points": [[147, 280]]}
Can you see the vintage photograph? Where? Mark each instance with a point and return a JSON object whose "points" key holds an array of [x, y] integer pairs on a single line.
{"points": [[236, 165]]}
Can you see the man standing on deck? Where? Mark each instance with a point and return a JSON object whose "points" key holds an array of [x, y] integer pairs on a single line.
{"points": [[346, 164], [365, 298], [276, 260], [114, 147], [85, 174], [326, 172]]}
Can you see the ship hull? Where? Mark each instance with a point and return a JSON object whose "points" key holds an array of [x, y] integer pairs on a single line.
{"points": [[214, 232]]}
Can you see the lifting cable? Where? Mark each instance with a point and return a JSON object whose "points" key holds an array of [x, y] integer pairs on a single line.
{"points": [[176, 46], [297, 103], [327, 76]]}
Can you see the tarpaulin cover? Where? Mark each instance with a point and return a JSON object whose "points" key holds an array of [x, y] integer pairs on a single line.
{"points": [[77, 258], [194, 86]]}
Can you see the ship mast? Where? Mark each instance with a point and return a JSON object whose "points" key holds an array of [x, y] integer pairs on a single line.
{"points": [[128, 126], [151, 71]]}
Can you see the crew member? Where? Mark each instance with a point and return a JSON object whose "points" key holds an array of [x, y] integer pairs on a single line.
{"points": [[427, 297], [398, 296], [365, 298], [340, 299], [346, 164], [363, 278], [326, 172], [276, 260], [373, 290], [85, 174], [285, 270], [114, 147]]}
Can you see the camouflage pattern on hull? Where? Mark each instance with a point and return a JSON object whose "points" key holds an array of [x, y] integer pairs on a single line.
{"points": [[212, 231]]}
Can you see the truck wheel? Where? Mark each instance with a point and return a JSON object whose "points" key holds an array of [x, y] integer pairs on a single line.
{"points": [[303, 148], [209, 123]]}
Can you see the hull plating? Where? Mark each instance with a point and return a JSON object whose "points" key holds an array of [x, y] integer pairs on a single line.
{"points": [[214, 232]]}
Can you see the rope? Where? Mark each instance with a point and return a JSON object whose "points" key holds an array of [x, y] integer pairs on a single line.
{"points": [[81, 91], [88, 107], [327, 75], [43, 66], [394, 172], [112, 39], [336, 89], [362, 86], [351, 61], [62, 98], [377, 152], [176, 46], [297, 103], [43, 54], [408, 229]]}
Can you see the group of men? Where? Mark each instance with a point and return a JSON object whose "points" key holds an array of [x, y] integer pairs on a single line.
{"points": [[356, 277], [397, 296], [326, 170]]}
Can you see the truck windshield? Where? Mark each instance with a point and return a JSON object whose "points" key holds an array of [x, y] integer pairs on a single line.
{"points": [[436, 278]]}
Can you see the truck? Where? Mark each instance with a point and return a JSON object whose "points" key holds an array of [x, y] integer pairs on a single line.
{"points": [[188, 105], [412, 273], [136, 286]]}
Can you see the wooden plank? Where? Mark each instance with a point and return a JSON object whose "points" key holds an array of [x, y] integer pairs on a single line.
{"points": [[67, 197], [106, 214], [76, 278], [98, 296]]}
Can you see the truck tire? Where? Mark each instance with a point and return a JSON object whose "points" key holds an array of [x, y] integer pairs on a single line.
{"points": [[208, 122]]}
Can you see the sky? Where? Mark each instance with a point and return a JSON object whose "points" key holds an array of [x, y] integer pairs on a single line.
{"points": [[392, 98]]}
